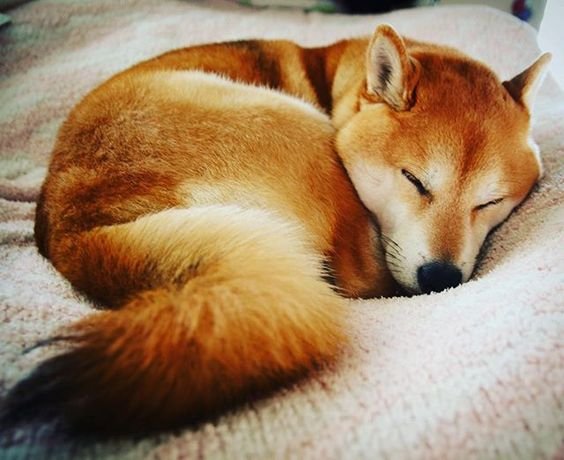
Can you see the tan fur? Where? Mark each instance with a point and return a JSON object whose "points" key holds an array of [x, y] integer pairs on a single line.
{"points": [[214, 323], [463, 135], [200, 195]]}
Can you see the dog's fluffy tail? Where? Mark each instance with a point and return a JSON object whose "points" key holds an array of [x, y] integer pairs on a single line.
{"points": [[216, 305]]}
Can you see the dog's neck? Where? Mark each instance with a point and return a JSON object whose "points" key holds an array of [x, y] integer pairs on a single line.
{"points": [[336, 72]]}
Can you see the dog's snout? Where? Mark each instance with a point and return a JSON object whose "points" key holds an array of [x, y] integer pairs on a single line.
{"points": [[438, 276]]}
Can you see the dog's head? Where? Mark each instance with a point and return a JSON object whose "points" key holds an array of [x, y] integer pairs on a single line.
{"points": [[440, 152]]}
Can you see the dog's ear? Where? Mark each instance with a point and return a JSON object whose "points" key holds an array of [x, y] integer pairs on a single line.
{"points": [[391, 74], [524, 87]]}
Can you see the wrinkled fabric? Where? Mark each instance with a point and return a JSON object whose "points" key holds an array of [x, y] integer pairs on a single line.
{"points": [[473, 372]]}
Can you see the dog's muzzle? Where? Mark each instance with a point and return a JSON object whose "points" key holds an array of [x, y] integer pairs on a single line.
{"points": [[438, 276]]}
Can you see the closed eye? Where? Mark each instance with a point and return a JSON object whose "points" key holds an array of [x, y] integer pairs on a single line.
{"points": [[411, 178], [488, 204]]}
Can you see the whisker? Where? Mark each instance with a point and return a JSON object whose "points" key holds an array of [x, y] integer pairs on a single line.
{"points": [[395, 257], [394, 271], [389, 240], [390, 263], [393, 249]]}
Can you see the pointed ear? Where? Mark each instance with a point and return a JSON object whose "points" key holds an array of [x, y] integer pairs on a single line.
{"points": [[524, 87], [391, 74]]}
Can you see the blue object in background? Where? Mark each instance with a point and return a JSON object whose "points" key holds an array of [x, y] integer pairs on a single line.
{"points": [[521, 10]]}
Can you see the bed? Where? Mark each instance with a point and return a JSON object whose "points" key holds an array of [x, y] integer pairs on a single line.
{"points": [[473, 372]]}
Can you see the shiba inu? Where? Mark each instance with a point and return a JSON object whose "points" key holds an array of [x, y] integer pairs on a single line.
{"points": [[222, 199]]}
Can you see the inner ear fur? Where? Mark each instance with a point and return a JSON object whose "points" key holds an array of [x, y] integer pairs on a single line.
{"points": [[391, 74], [524, 87]]}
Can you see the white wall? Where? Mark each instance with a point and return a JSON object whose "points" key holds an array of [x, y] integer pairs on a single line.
{"points": [[551, 37]]}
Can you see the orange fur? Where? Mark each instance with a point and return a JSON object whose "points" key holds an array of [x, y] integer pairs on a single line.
{"points": [[212, 324], [199, 195]]}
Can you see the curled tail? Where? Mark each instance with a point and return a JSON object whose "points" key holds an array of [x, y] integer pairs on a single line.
{"points": [[217, 304]]}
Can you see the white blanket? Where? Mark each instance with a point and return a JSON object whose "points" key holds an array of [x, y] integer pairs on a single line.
{"points": [[474, 372]]}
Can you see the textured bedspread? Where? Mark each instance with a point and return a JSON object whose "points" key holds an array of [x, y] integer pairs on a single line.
{"points": [[475, 372]]}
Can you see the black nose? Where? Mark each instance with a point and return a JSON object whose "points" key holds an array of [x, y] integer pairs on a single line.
{"points": [[438, 276]]}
